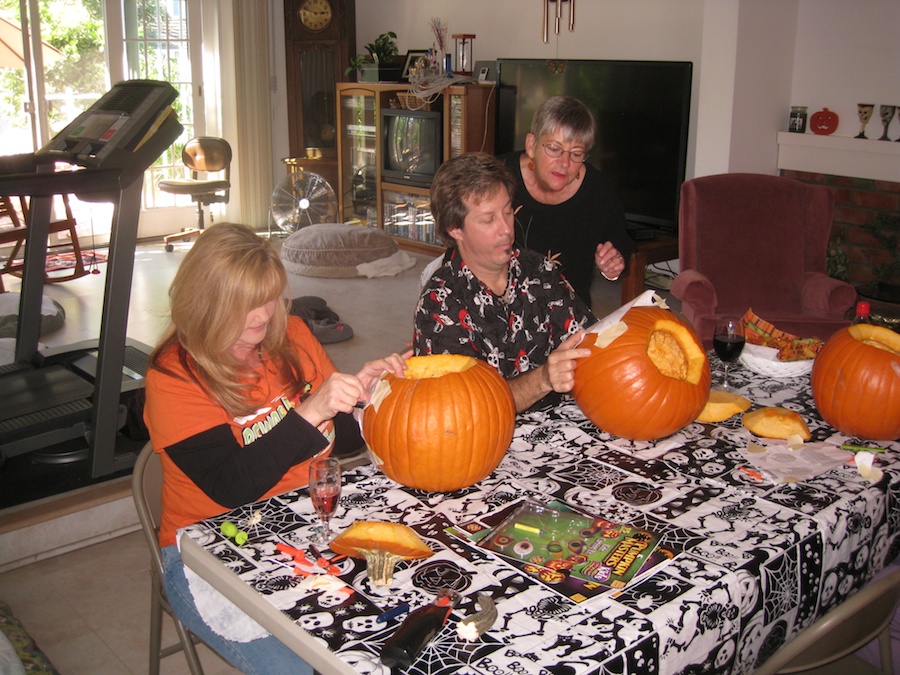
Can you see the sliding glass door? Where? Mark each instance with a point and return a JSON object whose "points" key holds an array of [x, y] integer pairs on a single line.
{"points": [[65, 54]]}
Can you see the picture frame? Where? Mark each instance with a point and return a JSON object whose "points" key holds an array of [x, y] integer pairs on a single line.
{"points": [[411, 56]]}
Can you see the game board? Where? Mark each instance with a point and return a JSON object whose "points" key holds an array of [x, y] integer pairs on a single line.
{"points": [[577, 554]]}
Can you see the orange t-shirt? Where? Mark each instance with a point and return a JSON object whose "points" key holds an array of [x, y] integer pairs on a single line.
{"points": [[177, 409]]}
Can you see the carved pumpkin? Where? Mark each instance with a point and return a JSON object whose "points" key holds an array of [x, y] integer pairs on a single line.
{"points": [[442, 427], [649, 382], [824, 122], [856, 382]]}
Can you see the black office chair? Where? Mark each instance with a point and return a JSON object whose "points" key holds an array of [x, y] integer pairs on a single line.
{"points": [[146, 485], [832, 639], [207, 155]]}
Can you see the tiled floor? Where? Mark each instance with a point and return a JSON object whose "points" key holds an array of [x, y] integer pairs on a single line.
{"points": [[88, 610]]}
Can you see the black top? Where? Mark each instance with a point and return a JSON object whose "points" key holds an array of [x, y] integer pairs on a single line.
{"points": [[574, 228]]}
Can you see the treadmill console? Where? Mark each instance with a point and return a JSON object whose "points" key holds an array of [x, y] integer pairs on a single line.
{"points": [[108, 133]]}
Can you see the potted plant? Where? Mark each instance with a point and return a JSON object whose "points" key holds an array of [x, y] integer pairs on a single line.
{"points": [[382, 63]]}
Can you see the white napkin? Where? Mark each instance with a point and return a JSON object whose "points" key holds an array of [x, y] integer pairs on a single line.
{"points": [[220, 614], [781, 464], [389, 266]]}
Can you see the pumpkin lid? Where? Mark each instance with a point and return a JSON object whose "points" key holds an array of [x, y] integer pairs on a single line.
{"points": [[437, 365], [367, 535]]}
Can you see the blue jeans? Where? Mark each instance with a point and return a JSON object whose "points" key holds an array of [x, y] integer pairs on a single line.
{"points": [[266, 656]]}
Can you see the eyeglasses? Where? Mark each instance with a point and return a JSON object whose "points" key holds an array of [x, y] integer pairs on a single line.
{"points": [[555, 152]]}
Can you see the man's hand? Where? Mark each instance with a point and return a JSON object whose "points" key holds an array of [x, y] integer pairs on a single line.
{"points": [[558, 374]]}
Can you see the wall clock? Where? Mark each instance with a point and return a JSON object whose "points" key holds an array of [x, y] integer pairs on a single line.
{"points": [[315, 15], [320, 39]]}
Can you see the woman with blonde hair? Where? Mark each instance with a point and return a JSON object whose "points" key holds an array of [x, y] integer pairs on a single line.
{"points": [[240, 398]]}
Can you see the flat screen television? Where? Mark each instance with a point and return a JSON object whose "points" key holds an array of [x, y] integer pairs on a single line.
{"points": [[412, 146], [642, 110]]}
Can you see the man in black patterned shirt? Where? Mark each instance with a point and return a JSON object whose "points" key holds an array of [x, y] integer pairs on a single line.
{"points": [[489, 299]]}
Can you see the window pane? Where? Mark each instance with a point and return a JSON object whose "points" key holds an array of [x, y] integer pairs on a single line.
{"points": [[157, 41]]}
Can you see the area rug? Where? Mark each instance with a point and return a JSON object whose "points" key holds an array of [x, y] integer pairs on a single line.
{"points": [[66, 261]]}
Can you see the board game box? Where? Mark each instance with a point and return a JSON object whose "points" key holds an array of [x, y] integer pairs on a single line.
{"points": [[578, 554]]}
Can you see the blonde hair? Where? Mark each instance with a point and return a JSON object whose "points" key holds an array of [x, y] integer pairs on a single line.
{"points": [[227, 273]]}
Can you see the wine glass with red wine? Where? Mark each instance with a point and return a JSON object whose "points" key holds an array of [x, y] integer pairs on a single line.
{"points": [[728, 341], [324, 490]]}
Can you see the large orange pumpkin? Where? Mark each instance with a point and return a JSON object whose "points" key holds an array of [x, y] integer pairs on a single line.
{"points": [[649, 382], [856, 382], [442, 427]]}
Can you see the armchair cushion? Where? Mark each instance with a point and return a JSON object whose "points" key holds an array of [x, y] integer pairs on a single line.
{"points": [[826, 296], [696, 290]]}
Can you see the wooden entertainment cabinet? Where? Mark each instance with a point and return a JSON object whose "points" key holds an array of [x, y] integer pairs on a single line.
{"points": [[402, 210]]}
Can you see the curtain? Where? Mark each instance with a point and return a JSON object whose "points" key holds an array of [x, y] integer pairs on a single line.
{"points": [[252, 170]]}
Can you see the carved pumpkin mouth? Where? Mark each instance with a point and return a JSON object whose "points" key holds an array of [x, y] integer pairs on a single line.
{"points": [[675, 352], [875, 336]]}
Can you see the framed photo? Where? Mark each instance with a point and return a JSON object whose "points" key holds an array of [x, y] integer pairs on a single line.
{"points": [[411, 57]]}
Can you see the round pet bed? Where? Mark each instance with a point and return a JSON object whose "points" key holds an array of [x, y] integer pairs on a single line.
{"points": [[334, 250], [53, 316]]}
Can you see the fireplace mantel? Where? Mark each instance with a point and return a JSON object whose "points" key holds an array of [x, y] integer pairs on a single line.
{"points": [[839, 156]]}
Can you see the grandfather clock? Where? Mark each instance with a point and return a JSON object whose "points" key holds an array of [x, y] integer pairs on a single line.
{"points": [[320, 39]]}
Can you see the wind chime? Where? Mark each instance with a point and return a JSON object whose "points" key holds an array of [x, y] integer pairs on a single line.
{"points": [[557, 18]]}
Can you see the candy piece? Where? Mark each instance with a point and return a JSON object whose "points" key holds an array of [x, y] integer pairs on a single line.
{"points": [[473, 627]]}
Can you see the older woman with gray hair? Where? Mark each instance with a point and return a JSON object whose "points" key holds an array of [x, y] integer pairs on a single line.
{"points": [[565, 207]]}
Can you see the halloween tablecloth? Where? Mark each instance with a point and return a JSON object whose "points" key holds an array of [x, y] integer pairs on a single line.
{"points": [[754, 562]]}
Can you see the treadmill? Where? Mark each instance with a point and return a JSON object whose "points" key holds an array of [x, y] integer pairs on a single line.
{"points": [[79, 395]]}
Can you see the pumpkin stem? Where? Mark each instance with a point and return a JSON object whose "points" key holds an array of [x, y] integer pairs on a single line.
{"points": [[380, 565]]}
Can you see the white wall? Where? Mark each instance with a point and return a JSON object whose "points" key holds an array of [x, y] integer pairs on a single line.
{"points": [[848, 53], [753, 59]]}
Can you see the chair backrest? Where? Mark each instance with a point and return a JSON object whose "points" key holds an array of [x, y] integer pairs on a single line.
{"points": [[843, 630], [208, 155], [146, 487], [770, 230]]}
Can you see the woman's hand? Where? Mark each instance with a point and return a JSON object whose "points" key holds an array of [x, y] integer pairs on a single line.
{"points": [[339, 393], [609, 261], [372, 370]]}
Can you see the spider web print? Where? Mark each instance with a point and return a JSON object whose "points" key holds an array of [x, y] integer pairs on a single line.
{"points": [[591, 475], [780, 581]]}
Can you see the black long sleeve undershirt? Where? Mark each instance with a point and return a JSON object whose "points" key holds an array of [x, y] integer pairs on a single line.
{"points": [[232, 475]]}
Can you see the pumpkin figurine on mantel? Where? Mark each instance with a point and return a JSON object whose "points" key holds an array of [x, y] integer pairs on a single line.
{"points": [[855, 382], [824, 122], [647, 383], [442, 427]]}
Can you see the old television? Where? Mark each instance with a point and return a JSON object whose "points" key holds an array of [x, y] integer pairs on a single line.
{"points": [[412, 146], [642, 110]]}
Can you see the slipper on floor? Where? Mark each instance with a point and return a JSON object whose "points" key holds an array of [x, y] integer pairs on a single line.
{"points": [[308, 301], [312, 308], [329, 332]]}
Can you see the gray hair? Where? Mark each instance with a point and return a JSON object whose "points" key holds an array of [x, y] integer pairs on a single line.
{"points": [[567, 115]]}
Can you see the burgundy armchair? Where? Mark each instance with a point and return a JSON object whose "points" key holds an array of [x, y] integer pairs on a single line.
{"points": [[752, 240]]}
